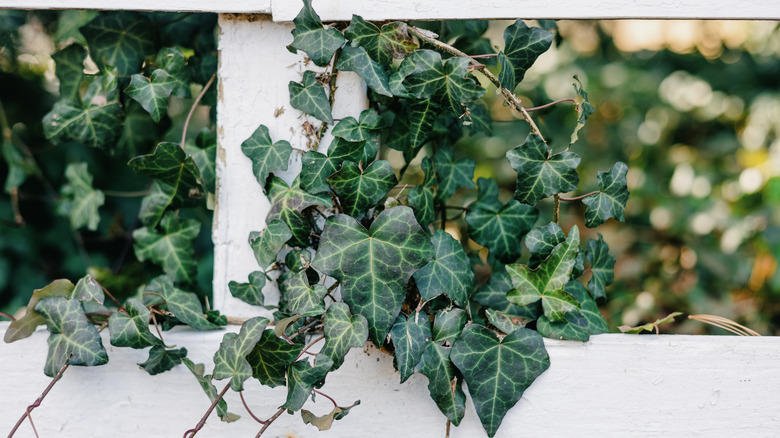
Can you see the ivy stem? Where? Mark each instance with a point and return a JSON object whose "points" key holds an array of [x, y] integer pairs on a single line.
{"points": [[547, 105], [577, 198], [192, 109], [456, 207], [109, 295], [556, 207], [311, 344], [326, 396], [191, 433], [246, 406], [487, 55], [449, 423], [39, 400], [119, 194], [8, 315], [269, 421]]}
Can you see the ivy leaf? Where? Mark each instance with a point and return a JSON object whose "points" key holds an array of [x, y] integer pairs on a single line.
{"points": [[69, 64], [546, 283], [505, 322], [230, 359], [341, 149], [324, 422], [287, 205], [422, 196], [251, 292], [541, 241], [342, 332], [610, 201], [444, 381], [390, 42], [270, 357], [153, 92], [316, 169], [522, 47], [448, 273], [25, 326], [301, 298], [72, 339], [132, 330], [408, 66], [453, 175], [161, 360], [583, 106], [541, 174], [480, 119], [356, 59], [302, 377], [205, 383], [172, 248], [422, 114], [266, 244], [310, 36], [298, 260], [80, 201], [265, 154], [96, 124], [121, 40], [501, 230], [448, 324], [374, 265], [309, 96], [444, 81], [409, 336], [602, 266], [497, 372], [172, 61], [360, 191], [578, 325], [184, 305], [204, 154], [487, 195], [493, 296], [368, 126], [139, 131]]}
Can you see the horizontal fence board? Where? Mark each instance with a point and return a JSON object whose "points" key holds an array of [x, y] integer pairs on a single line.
{"points": [[243, 6], [613, 386]]}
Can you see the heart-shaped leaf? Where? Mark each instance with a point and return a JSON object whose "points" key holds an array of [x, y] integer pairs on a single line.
{"points": [[301, 298], [360, 191], [287, 205], [453, 175], [153, 92], [610, 201], [172, 61], [541, 174], [251, 292], [309, 96], [390, 42], [368, 125], [319, 42], [409, 336], [120, 40], [266, 244], [184, 305], [97, 123], [171, 248], [445, 81], [161, 360], [448, 273], [356, 59], [266, 155], [522, 47], [230, 359], [132, 330], [501, 229], [444, 381], [270, 357], [342, 332]]}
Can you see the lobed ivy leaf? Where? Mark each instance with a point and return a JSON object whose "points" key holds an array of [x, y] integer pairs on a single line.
{"points": [[480, 120], [152, 93], [341, 149], [309, 96], [287, 205], [390, 42], [540, 173], [120, 40], [498, 371], [374, 265], [578, 325], [69, 63], [171, 248], [161, 359], [602, 267], [501, 229], [453, 175], [583, 106], [251, 292], [360, 190], [409, 335], [492, 295], [302, 377], [448, 324], [448, 273], [97, 123], [368, 125], [139, 131], [265, 154], [230, 359], [204, 381], [69, 22], [487, 195], [444, 81], [505, 322], [316, 169], [522, 47], [541, 241], [610, 201], [422, 114], [266, 244], [172, 61], [270, 358], [80, 201], [444, 381], [72, 338], [25, 326], [184, 305], [421, 197], [301, 298], [89, 292], [310, 36], [411, 63], [356, 59], [204, 154], [132, 330], [324, 422], [343, 331], [546, 283]]}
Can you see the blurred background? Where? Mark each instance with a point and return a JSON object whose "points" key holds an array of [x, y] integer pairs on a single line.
{"points": [[692, 107]]}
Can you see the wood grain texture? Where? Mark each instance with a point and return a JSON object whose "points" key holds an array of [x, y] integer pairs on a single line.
{"points": [[613, 386]]}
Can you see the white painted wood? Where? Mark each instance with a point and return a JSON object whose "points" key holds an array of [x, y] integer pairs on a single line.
{"points": [[613, 386], [244, 6]]}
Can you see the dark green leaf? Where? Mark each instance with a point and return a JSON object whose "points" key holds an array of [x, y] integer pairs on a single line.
{"points": [[383, 45], [302, 377], [493, 296], [25, 326], [444, 381], [421, 198], [132, 330], [172, 249], [342, 332], [448, 273], [367, 126], [448, 324], [409, 336], [172, 61], [121, 40], [230, 359], [69, 64], [139, 132], [444, 81], [480, 119], [70, 21], [161, 360], [153, 92], [266, 244], [91, 295], [265, 154], [505, 322], [541, 174], [583, 106], [309, 96], [19, 166], [298, 260], [579, 325], [80, 201], [310, 36], [422, 114], [602, 267], [522, 47], [374, 265], [541, 241], [501, 230], [204, 153], [301, 298], [97, 124], [270, 357], [360, 191], [611, 200], [205, 383], [287, 205], [345, 150], [487, 195], [453, 175], [316, 169], [356, 59], [416, 60], [184, 305], [251, 292], [497, 372]]}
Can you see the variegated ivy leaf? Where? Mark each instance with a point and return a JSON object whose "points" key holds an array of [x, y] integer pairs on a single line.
{"points": [[448, 273], [409, 335], [172, 61], [251, 292], [72, 339], [374, 265], [69, 63], [153, 92], [356, 59], [453, 175], [342, 332], [583, 106], [309, 96], [302, 377], [368, 125], [204, 153], [184, 305], [211, 391], [132, 330], [498, 371], [25, 326], [270, 358], [541, 174], [448, 324], [444, 81], [80, 201], [121, 40], [319, 42], [610, 201], [171, 247], [265, 154], [602, 267], [287, 205], [162, 359], [578, 325], [546, 282], [390, 42], [301, 298], [266, 244], [230, 359], [522, 47], [360, 190]]}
